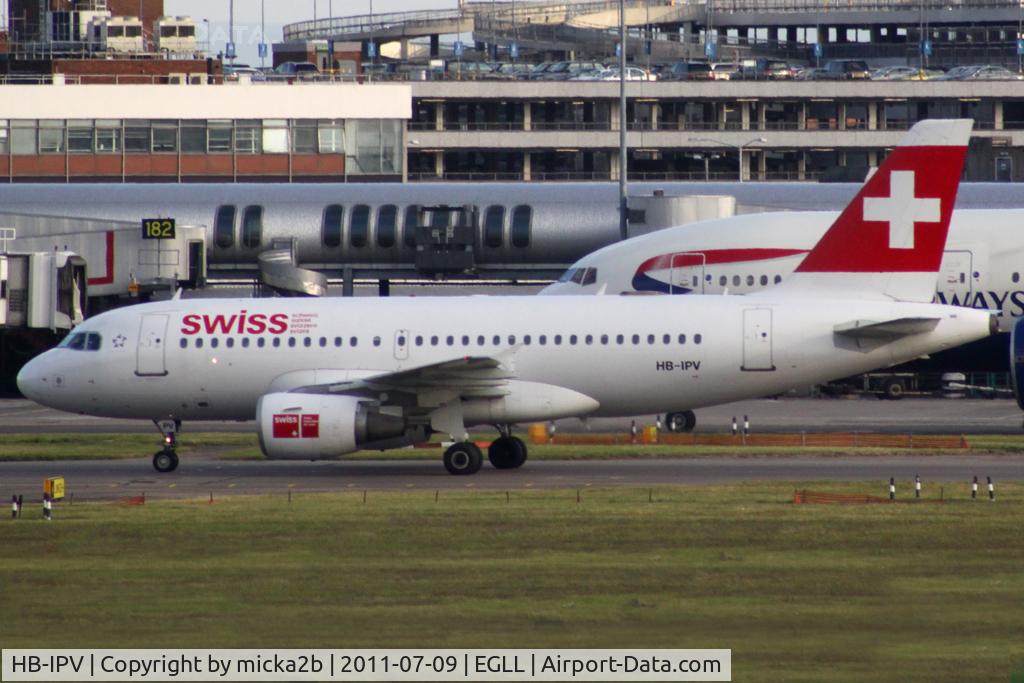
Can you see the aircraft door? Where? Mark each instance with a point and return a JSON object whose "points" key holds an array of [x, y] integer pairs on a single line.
{"points": [[686, 272], [402, 344], [152, 343], [956, 275], [757, 339]]}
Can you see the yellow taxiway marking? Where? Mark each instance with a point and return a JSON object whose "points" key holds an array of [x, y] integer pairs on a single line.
{"points": [[171, 486], [231, 486]]}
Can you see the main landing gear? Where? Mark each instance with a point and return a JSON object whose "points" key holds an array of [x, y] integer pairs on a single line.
{"points": [[166, 460], [507, 452], [681, 422]]}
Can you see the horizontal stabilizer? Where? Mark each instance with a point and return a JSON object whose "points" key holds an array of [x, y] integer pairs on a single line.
{"points": [[898, 327]]}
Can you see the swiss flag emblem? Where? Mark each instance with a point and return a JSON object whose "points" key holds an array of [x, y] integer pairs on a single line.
{"points": [[899, 219]]}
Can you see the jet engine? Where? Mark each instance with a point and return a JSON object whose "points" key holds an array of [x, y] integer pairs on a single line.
{"points": [[296, 426], [1017, 361]]}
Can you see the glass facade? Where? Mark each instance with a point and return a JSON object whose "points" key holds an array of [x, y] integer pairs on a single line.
{"points": [[370, 146]]}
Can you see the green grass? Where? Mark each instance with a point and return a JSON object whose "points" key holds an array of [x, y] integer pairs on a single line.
{"points": [[799, 593], [243, 446]]}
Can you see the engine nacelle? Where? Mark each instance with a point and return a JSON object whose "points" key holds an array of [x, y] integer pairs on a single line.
{"points": [[1017, 361], [316, 426]]}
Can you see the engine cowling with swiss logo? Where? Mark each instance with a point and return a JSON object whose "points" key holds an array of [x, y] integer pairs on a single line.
{"points": [[296, 426]]}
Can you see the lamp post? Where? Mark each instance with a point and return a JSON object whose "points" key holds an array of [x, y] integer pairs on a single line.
{"points": [[738, 147]]}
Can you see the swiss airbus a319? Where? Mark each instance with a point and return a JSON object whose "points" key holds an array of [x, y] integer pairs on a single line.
{"points": [[327, 377]]}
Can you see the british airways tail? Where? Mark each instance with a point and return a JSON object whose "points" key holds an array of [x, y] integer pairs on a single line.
{"points": [[888, 242]]}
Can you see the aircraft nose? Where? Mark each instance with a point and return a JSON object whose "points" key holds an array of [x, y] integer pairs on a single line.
{"points": [[30, 380]]}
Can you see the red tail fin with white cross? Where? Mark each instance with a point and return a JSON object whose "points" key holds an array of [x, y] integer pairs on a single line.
{"points": [[889, 240]]}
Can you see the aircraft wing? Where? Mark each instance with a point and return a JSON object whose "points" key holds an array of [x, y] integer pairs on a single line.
{"points": [[897, 327], [465, 377]]}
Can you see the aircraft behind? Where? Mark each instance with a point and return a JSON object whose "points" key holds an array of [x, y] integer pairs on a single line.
{"points": [[326, 377]]}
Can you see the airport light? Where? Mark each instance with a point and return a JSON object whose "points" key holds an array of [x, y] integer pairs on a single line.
{"points": [[738, 147]]}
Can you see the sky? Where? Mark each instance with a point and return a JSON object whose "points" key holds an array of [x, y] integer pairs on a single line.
{"points": [[278, 13]]}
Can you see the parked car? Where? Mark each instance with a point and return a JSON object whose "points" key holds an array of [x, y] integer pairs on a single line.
{"points": [[991, 72], [763, 69], [845, 70], [723, 72], [633, 73], [899, 73], [233, 72], [687, 71], [514, 70], [297, 69], [471, 71]]}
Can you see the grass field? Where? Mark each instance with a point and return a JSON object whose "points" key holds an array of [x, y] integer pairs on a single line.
{"points": [[912, 592], [236, 445]]}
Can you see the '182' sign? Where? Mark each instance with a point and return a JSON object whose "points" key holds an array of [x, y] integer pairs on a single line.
{"points": [[157, 228]]}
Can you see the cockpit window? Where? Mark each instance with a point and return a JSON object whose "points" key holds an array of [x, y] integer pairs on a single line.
{"points": [[589, 277], [82, 341], [568, 275]]}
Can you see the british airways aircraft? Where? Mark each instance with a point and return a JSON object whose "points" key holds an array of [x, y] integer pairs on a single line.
{"points": [[326, 377]]}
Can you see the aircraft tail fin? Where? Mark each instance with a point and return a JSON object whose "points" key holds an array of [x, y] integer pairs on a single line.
{"points": [[889, 241]]}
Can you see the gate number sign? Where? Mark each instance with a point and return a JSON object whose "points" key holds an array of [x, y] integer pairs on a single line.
{"points": [[158, 228]]}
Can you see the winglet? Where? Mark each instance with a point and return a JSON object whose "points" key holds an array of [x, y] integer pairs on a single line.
{"points": [[889, 240]]}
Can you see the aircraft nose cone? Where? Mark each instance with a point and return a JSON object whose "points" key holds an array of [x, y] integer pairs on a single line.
{"points": [[30, 380]]}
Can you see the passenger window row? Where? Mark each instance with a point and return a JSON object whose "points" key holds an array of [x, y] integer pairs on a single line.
{"points": [[738, 280], [464, 340], [386, 224]]}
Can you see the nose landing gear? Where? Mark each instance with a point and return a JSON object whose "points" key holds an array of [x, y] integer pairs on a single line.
{"points": [[166, 460]]}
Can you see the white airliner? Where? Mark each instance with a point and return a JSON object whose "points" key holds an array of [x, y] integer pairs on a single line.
{"points": [[981, 266], [326, 377]]}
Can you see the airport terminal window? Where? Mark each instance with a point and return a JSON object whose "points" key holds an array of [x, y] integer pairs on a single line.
{"points": [[330, 137], [137, 137], [248, 137], [521, 217], [387, 226], [218, 137], [224, 227], [252, 226], [275, 136], [23, 137], [334, 214], [108, 136], [165, 138], [304, 136], [360, 227], [80, 137], [3, 138], [193, 137], [494, 226], [51, 137]]}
